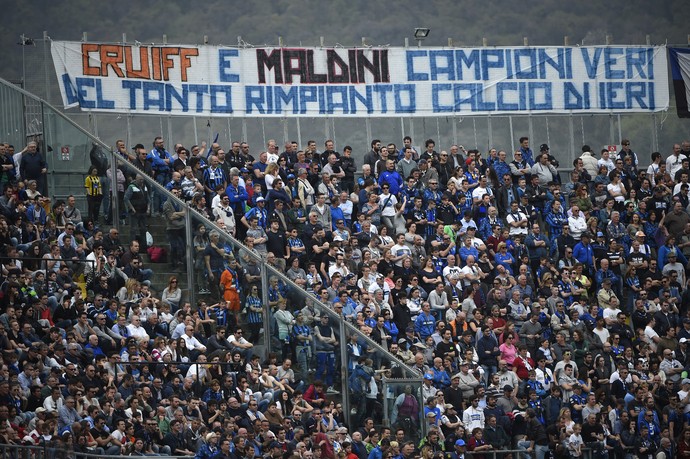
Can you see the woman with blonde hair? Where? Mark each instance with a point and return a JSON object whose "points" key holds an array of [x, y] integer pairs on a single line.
{"points": [[592, 225], [130, 292], [271, 174]]}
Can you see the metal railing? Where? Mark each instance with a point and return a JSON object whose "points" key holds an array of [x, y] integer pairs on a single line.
{"points": [[55, 450], [59, 131]]}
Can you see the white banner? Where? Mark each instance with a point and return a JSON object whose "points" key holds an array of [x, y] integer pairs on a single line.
{"points": [[220, 81]]}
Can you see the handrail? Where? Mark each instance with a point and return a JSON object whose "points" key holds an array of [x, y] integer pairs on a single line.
{"points": [[332, 315], [193, 215], [66, 260], [47, 452]]}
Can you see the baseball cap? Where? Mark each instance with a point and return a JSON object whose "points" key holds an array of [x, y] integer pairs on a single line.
{"points": [[685, 381], [683, 340], [428, 376], [600, 234], [260, 199], [460, 442], [138, 146], [543, 147], [639, 234], [290, 176]]}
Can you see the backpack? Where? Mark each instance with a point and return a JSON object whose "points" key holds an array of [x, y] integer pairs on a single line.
{"points": [[157, 254]]}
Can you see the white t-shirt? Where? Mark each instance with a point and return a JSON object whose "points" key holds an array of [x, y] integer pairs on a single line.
{"points": [[388, 205], [650, 334], [575, 441], [400, 250], [611, 313]]}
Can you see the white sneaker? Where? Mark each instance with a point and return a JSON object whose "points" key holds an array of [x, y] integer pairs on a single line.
{"points": [[331, 390]]}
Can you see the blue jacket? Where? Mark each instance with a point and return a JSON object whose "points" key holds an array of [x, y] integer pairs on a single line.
{"points": [[393, 179], [441, 378], [501, 168], [527, 156], [583, 254], [157, 159], [376, 453], [601, 275], [424, 325], [237, 195], [536, 252]]}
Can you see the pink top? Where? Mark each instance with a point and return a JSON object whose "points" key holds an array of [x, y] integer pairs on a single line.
{"points": [[508, 353]]}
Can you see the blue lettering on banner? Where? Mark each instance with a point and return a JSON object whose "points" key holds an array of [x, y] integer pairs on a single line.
{"points": [[224, 65], [529, 71], [491, 58], [365, 99], [382, 90], [154, 95], [471, 61], [306, 94], [217, 94], [445, 67], [332, 104], [82, 92], [573, 98], [411, 74], [591, 64], [100, 101], [563, 63], [636, 92], [615, 95], [171, 93], [269, 100], [132, 86], [610, 61], [254, 97], [405, 100], [436, 90], [87, 92], [639, 63], [535, 89], [70, 90], [283, 98], [501, 90], [199, 90]]}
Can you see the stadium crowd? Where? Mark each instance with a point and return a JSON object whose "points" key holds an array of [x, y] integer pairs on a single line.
{"points": [[546, 311]]}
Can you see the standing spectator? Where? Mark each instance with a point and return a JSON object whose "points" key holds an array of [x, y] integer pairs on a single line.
{"points": [[33, 167], [161, 163], [94, 194]]}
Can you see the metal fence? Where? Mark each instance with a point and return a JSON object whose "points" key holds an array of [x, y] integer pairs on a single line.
{"points": [[54, 450], [565, 134], [61, 131]]}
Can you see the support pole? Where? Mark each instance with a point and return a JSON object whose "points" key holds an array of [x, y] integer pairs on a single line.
{"points": [[189, 237]]}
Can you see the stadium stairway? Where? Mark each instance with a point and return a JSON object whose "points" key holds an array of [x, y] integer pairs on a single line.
{"points": [[163, 271]]}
